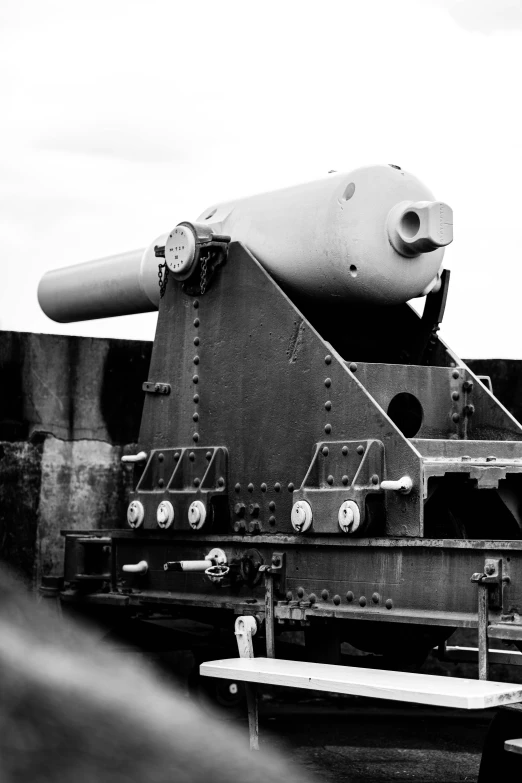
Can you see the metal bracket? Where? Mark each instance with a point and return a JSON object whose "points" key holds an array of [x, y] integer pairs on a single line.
{"points": [[156, 388], [489, 586], [211, 252], [276, 569]]}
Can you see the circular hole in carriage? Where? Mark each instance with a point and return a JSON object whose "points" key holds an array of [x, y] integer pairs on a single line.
{"points": [[406, 412]]}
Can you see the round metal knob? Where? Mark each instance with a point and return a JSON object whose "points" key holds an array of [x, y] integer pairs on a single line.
{"points": [[180, 251], [197, 514], [403, 485], [165, 514], [301, 516], [135, 514], [349, 517], [142, 456], [136, 568]]}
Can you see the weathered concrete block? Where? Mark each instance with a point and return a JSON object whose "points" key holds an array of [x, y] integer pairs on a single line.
{"points": [[83, 487], [72, 387], [68, 406], [20, 483]]}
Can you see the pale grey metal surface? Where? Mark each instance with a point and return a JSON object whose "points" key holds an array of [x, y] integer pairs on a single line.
{"points": [[327, 238], [123, 284]]}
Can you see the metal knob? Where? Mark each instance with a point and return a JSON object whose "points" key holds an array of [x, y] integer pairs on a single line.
{"points": [[135, 514], [302, 516], [197, 514], [136, 568], [140, 457], [403, 485], [165, 514], [349, 516]]}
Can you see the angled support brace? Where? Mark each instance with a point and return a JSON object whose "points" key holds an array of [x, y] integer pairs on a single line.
{"points": [[245, 629]]}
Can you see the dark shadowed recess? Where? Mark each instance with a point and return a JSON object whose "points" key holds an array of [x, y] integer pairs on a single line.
{"points": [[126, 367], [506, 379], [20, 479]]}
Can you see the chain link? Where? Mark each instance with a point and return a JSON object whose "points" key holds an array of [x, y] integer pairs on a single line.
{"points": [[163, 276], [203, 277]]}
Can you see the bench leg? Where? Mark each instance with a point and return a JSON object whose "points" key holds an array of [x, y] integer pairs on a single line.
{"points": [[496, 763], [253, 715], [244, 630]]}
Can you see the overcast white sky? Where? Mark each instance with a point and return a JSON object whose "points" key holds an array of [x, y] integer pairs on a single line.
{"points": [[122, 117]]}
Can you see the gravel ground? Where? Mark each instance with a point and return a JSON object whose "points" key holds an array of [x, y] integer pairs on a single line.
{"points": [[362, 742]]}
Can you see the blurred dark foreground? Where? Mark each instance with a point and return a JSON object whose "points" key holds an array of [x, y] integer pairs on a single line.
{"points": [[71, 710]]}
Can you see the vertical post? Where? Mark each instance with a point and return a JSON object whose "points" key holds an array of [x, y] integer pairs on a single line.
{"points": [[269, 614], [483, 651], [253, 715], [245, 628]]}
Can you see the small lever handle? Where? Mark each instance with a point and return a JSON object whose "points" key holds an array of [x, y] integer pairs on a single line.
{"points": [[216, 557], [403, 485], [136, 568], [187, 565], [140, 457]]}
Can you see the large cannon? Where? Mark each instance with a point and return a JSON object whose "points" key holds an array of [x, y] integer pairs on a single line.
{"points": [[310, 450], [385, 245]]}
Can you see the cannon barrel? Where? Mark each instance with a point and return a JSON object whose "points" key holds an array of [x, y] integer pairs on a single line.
{"points": [[375, 235], [124, 284]]}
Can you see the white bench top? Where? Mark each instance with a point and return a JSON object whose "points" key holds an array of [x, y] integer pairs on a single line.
{"points": [[376, 683]]}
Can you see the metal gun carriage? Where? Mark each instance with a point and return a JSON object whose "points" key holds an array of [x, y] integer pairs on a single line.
{"points": [[311, 452]]}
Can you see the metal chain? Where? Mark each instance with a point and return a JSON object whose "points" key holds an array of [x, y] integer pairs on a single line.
{"points": [[163, 276], [203, 277]]}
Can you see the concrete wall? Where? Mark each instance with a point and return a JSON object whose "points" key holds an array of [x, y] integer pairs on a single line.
{"points": [[69, 408]]}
